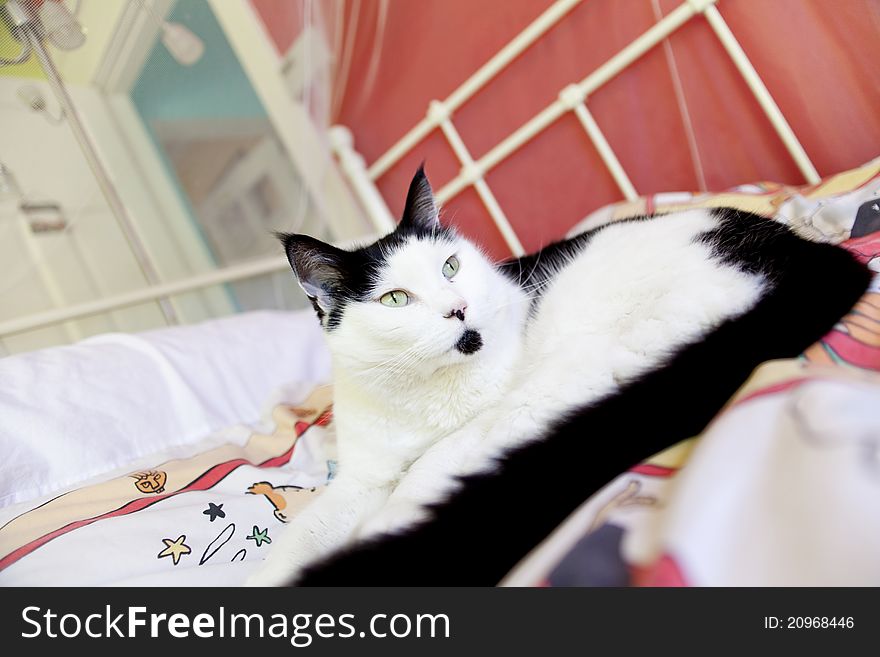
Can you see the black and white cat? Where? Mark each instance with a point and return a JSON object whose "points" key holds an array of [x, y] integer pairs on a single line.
{"points": [[541, 378]]}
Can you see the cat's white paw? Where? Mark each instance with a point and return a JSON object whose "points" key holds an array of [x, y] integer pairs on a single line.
{"points": [[395, 516]]}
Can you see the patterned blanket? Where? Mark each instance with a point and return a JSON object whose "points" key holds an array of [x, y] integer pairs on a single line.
{"points": [[201, 519]]}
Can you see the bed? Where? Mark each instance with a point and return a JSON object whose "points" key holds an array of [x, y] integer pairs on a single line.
{"points": [[175, 456], [150, 458]]}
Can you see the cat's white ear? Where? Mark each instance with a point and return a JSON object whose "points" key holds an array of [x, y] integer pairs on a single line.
{"points": [[318, 268], [421, 213]]}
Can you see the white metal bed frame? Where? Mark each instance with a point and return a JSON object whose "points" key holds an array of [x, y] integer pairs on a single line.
{"points": [[572, 98]]}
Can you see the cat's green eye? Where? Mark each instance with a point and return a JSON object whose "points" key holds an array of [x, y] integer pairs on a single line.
{"points": [[450, 267], [394, 299]]}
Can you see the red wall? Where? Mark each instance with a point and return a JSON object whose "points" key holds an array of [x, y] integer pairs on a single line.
{"points": [[817, 57]]}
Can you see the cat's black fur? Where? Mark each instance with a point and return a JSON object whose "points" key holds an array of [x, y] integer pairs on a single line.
{"points": [[476, 536], [534, 271]]}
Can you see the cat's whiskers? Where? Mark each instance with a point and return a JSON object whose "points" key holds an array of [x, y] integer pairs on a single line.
{"points": [[515, 301], [390, 361], [387, 369], [534, 270], [396, 371]]}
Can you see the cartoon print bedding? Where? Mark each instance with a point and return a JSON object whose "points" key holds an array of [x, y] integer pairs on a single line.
{"points": [[206, 519], [781, 488]]}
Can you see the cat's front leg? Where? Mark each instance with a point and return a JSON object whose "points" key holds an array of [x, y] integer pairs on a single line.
{"points": [[323, 527], [431, 478], [469, 450]]}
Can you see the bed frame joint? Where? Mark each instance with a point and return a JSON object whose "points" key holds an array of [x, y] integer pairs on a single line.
{"points": [[699, 6], [572, 96], [438, 112]]}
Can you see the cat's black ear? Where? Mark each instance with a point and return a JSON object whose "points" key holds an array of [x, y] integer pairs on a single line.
{"points": [[318, 267], [420, 214]]}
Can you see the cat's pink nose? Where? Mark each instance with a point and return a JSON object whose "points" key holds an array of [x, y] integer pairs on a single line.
{"points": [[457, 310]]}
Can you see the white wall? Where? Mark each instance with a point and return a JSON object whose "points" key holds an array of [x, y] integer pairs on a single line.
{"points": [[91, 258]]}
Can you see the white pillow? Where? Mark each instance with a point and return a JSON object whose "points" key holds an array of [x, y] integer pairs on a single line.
{"points": [[70, 413]]}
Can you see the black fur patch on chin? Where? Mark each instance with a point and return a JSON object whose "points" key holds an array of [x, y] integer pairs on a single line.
{"points": [[470, 342]]}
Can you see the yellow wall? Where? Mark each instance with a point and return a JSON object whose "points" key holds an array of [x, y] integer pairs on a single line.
{"points": [[10, 48], [99, 18]]}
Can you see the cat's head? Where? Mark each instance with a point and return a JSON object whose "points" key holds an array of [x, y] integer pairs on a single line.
{"points": [[414, 301]]}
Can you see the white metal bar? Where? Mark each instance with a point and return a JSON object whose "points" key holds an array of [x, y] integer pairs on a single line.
{"points": [[468, 165], [605, 152], [607, 71], [409, 141], [291, 120], [352, 163], [473, 84], [129, 229], [500, 219], [524, 134], [46, 273], [641, 45], [143, 295], [762, 95]]}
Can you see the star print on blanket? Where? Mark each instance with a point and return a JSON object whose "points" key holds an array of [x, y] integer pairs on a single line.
{"points": [[167, 518], [259, 536], [214, 511], [175, 549]]}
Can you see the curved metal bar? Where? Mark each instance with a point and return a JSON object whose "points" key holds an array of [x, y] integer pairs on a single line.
{"points": [[16, 18], [22, 57]]}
